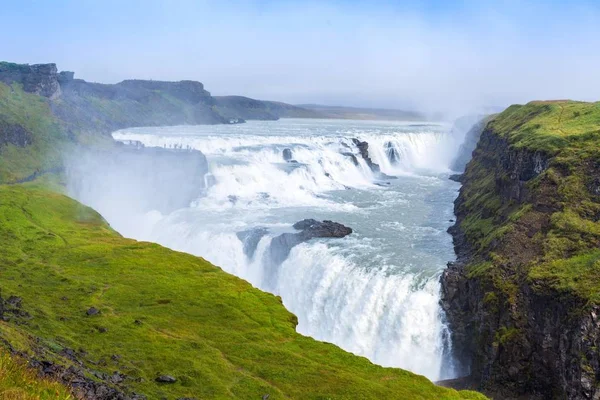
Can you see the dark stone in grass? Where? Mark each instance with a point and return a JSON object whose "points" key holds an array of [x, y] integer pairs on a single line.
{"points": [[137, 322], [166, 379], [92, 311], [14, 301], [116, 377], [102, 329]]}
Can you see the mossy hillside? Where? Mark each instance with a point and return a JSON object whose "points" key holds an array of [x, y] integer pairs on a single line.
{"points": [[32, 112], [164, 312], [20, 382], [550, 238]]}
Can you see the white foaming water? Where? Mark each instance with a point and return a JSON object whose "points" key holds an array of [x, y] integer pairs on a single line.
{"points": [[374, 293]]}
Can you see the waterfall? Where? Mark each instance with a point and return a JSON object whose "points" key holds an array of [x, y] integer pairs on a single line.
{"points": [[374, 293]]}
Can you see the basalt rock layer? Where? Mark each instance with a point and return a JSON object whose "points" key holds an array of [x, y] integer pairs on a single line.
{"points": [[522, 298]]}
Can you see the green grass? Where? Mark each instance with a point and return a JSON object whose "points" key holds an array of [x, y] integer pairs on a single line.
{"points": [[164, 312], [549, 125], [550, 239], [19, 382], [33, 113]]}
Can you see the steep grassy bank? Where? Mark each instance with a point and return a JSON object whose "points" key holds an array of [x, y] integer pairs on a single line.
{"points": [[523, 297], [122, 313], [107, 316], [18, 381]]}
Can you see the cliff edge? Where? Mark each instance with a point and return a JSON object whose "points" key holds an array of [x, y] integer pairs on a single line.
{"points": [[522, 299]]}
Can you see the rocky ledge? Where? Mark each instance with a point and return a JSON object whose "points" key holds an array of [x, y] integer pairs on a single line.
{"points": [[522, 297]]}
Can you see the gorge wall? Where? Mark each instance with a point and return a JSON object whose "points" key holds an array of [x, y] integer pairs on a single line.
{"points": [[522, 297], [44, 110]]}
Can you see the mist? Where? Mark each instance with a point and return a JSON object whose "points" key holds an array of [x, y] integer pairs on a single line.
{"points": [[452, 57]]}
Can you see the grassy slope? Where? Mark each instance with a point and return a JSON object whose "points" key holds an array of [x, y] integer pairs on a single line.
{"points": [[18, 382], [216, 333], [33, 113], [557, 231], [219, 336]]}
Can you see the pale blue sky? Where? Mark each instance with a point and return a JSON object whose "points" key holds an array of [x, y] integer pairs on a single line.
{"points": [[450, 55]]}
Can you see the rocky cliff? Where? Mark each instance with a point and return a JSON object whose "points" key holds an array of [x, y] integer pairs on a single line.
{"points": [[43, 110], [247, 108], [522, 298], [40, 79]]}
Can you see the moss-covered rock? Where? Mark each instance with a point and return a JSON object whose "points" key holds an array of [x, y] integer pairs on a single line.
{"points": [[527, 237]]}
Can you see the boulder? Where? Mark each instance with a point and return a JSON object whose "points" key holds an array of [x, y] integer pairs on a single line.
{"points": [[287, 154], [92, 311], [166, 379], [309, 229], [250, 238], [363, 149], [392, 153]]}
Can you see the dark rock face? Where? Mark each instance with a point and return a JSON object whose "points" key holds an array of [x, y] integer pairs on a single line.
{"points": [[133, 103], [11, 309], [475, 126], [545, 344], [326, 229], [287, 154], [309, 229], [188, 91], [456, 178], [391, 152], [352, 158], [363, 149], [246, 108], [250, 239], [41, 79], [14, 134]]}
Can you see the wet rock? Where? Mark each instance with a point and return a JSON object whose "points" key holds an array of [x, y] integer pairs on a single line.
{"points": [[537, 343], [250, 238], [309, 229], [287, 154], [456, 178], [232, 198], [363, 149], [166, 379], [473, 126], [392, 153], [352, 158]]}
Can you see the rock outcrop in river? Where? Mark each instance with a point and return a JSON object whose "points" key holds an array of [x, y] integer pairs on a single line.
{"points": [[309, 229]]}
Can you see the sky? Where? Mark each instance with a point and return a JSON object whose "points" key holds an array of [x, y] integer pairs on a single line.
{"points": [[431, 55]]}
